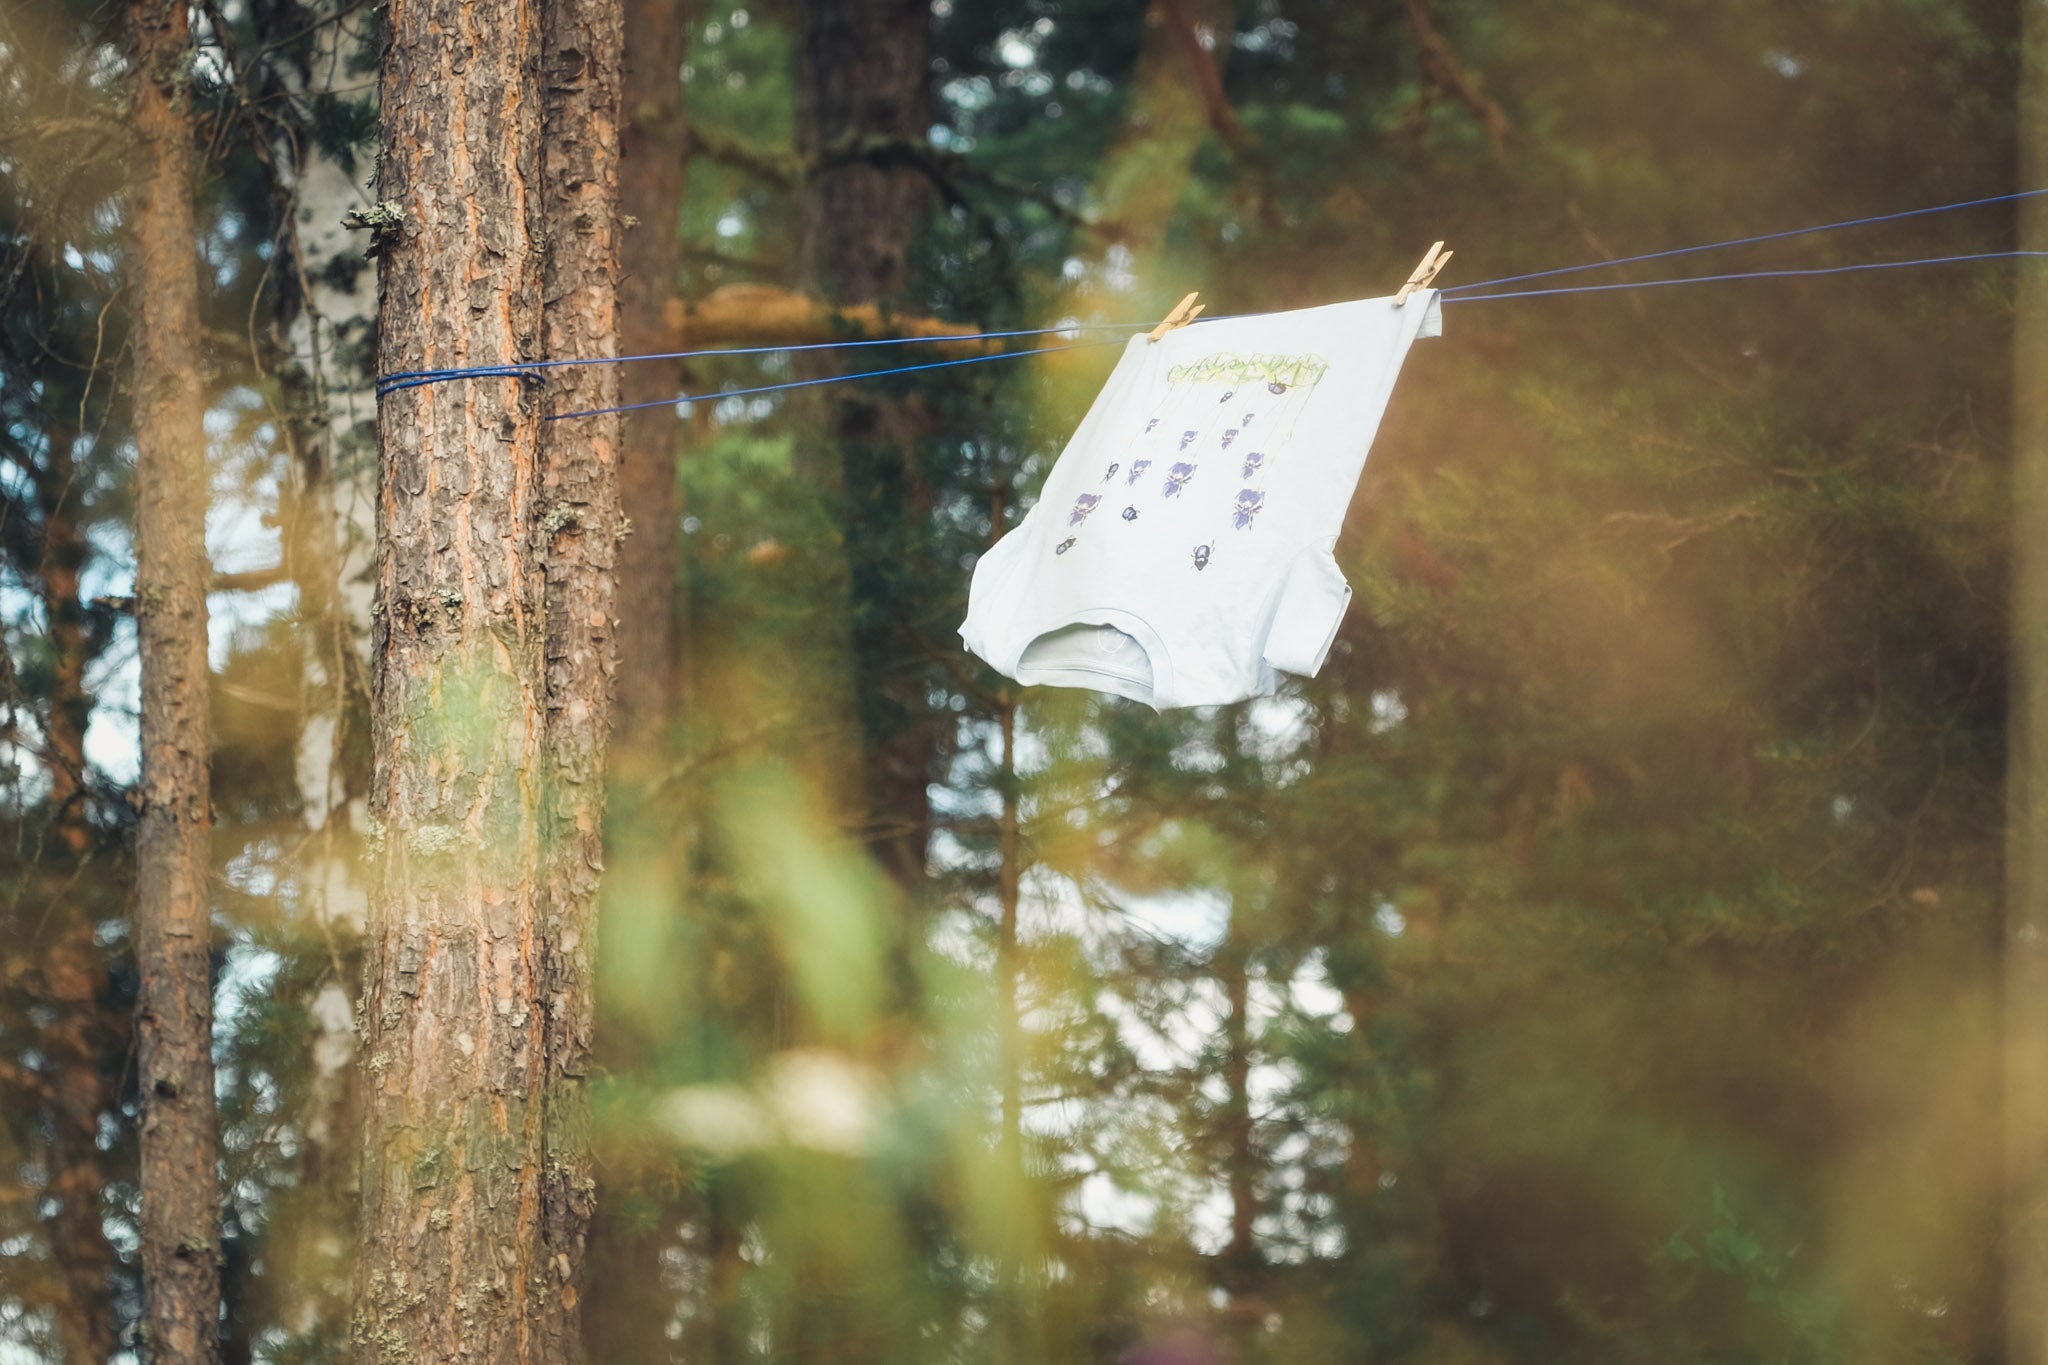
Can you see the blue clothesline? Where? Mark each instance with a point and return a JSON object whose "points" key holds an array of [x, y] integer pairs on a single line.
{"points": [[1480, 298], [412, 379], [723, 394], [1740, 275], [408, 379], [1750, 241]]}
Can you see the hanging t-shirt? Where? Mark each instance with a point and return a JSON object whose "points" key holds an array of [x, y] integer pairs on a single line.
{"points": [[1180, 553]]}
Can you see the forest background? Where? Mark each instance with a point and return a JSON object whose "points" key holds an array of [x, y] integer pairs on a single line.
{"points": [[1603, 959]]}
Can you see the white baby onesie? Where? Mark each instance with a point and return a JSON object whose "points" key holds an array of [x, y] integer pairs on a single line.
{"points": [[1179, 554]]}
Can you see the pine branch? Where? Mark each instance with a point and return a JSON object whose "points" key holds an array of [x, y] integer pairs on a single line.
{"points": [[946, 170], [786, 170], [1441, 70], [250, 580], [81, 125], [765, 315], [1203, 70]]}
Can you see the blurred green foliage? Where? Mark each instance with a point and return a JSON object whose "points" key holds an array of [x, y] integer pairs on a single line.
{"points": [[1596, 963]]}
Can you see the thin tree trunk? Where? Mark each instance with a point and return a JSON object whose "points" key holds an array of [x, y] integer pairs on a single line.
{"points": [[1149, 161], [631, 1299], [865, 70], [453, 1263], [85, 1040], [2025, 1098], [1008, 965], [1240, 1262], [174, 1017], [1241, 1257], [644, 841], [651, 196], [77, 1057], [1012, 1316], [578, 542]]}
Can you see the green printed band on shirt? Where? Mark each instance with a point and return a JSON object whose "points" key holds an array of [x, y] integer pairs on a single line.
{"points": [[1226, 367]]}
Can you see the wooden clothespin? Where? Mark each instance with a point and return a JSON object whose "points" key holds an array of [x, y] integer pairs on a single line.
{"points": [[1432, 261], [1181, 316]]}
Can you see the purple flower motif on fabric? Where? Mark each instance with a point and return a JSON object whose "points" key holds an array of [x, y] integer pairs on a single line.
{"points": [[1248, 419], [1177, 478], [1202, 556], [1228, 437], [1187, 438], [1227, 397], [1249, 500], [1064, 546], [1275, 386], [1083, 505], [1110, 472], [1138, 468], [1151, 424], [1130, 514], [1254, 460]]}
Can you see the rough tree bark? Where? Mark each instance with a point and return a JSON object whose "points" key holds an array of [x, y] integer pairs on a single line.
{"points": [[865, 70], [652, 198], [174, 1016], [629, 1302], [578, 542], [454, 1142], [491, 645]]}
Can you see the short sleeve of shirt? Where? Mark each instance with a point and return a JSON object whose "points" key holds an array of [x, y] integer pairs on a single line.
{"points": [[1311, 606]]}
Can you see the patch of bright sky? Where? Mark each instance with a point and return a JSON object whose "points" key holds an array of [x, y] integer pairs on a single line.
{"points": [[1196, 919], [1388, 710], [1784, 63], [19, 1328], [247, 974], [1174, 1039], [1275, 35], [1275, 728], [1105, 1205], [970, 94], [241, 535], [1114, 273]]}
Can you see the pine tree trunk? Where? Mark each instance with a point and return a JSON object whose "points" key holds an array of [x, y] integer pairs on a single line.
{"points": [[630, 1301], [2025, 1098], [1142, 172], [491, 676], [651, 196], [1014, 1332], [85, 1041], [450, 1254], [1240, 1258], [865, 71], [580, 532], [174, 1017]]}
